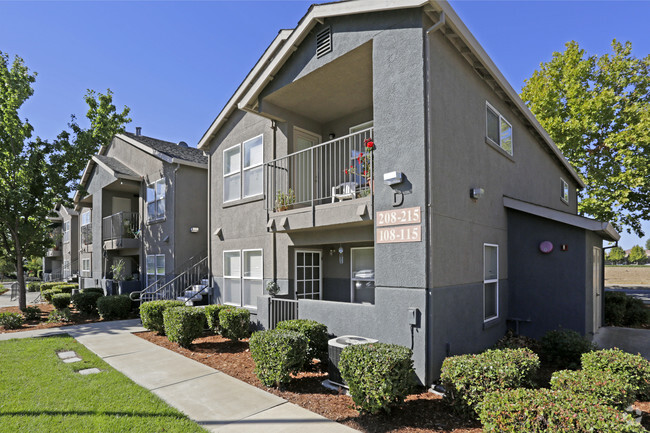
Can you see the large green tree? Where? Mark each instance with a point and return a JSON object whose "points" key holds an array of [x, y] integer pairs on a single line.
{"points": [[637, 255], [647, 244], [616, 255], [597, 110], [36, 174]]}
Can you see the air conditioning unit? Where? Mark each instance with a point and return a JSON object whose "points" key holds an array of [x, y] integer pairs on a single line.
{"points": [[334, 348]]}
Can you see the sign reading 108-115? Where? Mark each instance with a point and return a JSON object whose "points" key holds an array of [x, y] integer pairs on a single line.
{"points": [[399, 225]]}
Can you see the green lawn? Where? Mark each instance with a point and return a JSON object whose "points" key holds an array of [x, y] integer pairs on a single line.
{"points": [[39, 393]]}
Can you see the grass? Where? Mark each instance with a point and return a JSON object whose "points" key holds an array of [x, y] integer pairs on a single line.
{"points": [[3, 291], [39, 393]]}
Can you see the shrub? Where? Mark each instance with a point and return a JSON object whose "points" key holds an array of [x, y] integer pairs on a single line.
{"points": [[11, 320], [32, 313], [61, 300], [633, 368], [212, 315], [48, 286], [47, 294], [34, 286], [543, 410], [623, 310], [606, 387], [513, 341], [235, 323], [563, 348], [98, 290], [316, 335], [467, 378], [62, 315], [277, 353], [66, 288], [151, 314], [183, 324], [86, 302], [114, 307], [378, 374]]}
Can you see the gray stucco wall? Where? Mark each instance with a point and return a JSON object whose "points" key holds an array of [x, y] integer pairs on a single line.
{"points": [[190, 190]]}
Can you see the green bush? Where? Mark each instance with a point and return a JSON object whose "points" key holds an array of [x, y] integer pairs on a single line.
{"points": [[34, 286], [212, 316], [513, 341], [11, 320], [86, 302], [563, 348], [379, 374], [183, 324], [235, 323], [606, 387], [543, 410], [277, 353], [61, 300], [48, 286], [623, 310], [32, 313], [93, 290], [633, 368], [66, 288], [114, 307], [151, 314], [56, 316], [47, 294], [467, 378], [316, 335]]}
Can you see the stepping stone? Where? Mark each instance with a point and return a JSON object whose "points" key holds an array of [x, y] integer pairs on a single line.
{"points": [[89, 371], [71, 360], [66, 355]]}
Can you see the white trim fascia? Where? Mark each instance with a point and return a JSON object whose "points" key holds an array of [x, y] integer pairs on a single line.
{"points": [[605, 229]]}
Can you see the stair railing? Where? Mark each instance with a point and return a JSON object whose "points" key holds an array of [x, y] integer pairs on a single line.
{"points": [[177, 285]]}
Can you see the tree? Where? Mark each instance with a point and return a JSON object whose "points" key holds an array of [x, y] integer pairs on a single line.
{"points": [[616, 255], [34, 265], [35, 174], [597, 110], [637, 255], [647, 244]]}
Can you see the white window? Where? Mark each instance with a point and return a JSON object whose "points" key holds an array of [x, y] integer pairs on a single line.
{"points": [[155, 268], [308, 274], [85, 218], [243, 277], [498, 130], [66, 269], [85, 265], [564, 191], [243, 170], [156, 200], [66, 231], [490, 282]]}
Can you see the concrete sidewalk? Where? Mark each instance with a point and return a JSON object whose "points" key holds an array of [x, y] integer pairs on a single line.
{"points": [[629, 340], [213, 399]]}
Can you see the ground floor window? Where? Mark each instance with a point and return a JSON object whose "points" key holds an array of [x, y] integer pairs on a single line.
{"points": [[85, 265], [362, 270], [155, 268], [243, 272], [308, 274], [490, 281]]}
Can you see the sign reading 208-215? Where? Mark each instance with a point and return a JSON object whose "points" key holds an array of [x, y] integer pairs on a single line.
{"points": [[399, 225]]}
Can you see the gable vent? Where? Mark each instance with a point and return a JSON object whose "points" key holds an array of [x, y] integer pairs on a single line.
{"points": [[324, 42]]}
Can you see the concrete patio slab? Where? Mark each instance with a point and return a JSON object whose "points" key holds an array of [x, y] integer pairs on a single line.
{"points": [[630, 340]]}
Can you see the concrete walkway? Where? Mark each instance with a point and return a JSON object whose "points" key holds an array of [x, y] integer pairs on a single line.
{"points": [[213, 399], [5, 299], [627, 339]]}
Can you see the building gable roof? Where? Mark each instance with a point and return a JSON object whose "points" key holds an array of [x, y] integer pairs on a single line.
{"points": [[166, 150]]}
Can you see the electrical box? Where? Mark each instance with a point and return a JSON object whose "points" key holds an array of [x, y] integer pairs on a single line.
{"points": [[413, 316]]}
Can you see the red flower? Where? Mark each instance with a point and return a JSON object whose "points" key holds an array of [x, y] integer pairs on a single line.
{"points": [[346, 171], [369, 143]]}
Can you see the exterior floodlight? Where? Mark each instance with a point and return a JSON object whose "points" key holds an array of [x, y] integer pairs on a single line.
{"points": [[393, 178]]}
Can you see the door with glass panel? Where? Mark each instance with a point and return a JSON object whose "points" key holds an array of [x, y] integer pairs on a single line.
{"points": [[308, 279], [304, 177], [155, 270]]}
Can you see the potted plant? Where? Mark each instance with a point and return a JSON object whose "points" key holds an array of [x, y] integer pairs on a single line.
{"points": [[363, 166], [284, 201], [272, 288]]}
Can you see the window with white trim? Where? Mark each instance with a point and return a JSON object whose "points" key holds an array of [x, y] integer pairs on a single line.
{"points": [[85, 218], [490, 282], [155, 268], [243, 272], [565, 191], [85, 265], [497, 129], [156, 200], [66, 231], [243, 169]]}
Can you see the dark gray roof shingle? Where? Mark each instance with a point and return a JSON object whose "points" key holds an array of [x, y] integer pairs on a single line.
{"points": [[170, 149], [116, 165]]}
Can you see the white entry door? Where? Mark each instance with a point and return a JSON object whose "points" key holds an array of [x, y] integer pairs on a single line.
{"points": [[598, 287], [308, 275], [304, 177]]}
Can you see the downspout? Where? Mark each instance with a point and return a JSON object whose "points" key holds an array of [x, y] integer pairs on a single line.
{"points": [[274, 268], [209, 226], [428, 157], [174, 231]]}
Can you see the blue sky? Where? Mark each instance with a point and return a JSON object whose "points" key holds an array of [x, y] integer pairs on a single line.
{"points": [[176, 63]]}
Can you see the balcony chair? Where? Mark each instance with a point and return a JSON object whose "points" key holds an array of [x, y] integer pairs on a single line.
{"points": [[348, 191]]}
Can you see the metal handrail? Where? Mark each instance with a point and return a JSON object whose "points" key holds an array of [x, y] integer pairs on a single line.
{"points": [[186, 279], [179, 269], [114, 227]]}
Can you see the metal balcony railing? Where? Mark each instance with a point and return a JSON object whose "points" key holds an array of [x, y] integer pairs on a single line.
{"points": [[120, 226], [337, 169]]}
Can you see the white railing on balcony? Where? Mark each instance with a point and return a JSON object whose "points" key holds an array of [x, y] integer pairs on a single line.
{"points": [[121, 225], [282, 309], [337, 169]]}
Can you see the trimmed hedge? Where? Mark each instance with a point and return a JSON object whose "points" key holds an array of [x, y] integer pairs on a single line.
{"points": [[66, 288], [633, 368], [51, 285], [86, 302], [467, 378], [212, 316], [61, 300], [235, 323], [608, 388], [62, 315], [543, 410], [32, 313], [183, 324], [114, 307], [316, 335], [623, 310], [93, 290], [277, 353], [151, 314], [379, 374], [11, 320], [47, 294], [563, 348], [34, 286]]}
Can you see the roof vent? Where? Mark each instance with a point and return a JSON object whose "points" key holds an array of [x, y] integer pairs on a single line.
{"points": [[138, 131], [324, 42], [182, 144]]}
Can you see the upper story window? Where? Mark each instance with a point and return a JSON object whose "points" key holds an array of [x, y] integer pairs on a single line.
{"points": [[243, 169], [565, 191], [156, 200], [66, 231], [498, 130], [85, 218]]}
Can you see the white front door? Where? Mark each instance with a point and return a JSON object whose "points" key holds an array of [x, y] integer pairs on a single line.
{"points": [[304, 177], [308, 275], [598, 287]]}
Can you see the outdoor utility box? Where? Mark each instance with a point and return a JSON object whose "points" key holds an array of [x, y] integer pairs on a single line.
{"points": [[334, 348]]}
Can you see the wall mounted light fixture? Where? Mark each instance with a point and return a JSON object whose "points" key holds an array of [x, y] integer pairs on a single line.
{"points": [[476, 193]]}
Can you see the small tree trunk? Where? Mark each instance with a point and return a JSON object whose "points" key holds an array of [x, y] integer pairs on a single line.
{"points": [[20, 274]]}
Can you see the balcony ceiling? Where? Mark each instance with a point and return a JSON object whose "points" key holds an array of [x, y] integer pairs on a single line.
{"points": [[341, 87], [123, 185]]}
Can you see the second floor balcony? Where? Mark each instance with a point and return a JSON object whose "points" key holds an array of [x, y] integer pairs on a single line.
{"points": [[121, 230]]}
